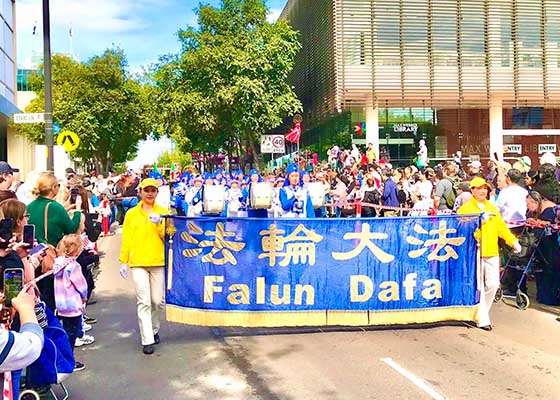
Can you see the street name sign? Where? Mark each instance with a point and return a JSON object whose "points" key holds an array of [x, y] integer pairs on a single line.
{"points": [[69, 140], [29, 118]]}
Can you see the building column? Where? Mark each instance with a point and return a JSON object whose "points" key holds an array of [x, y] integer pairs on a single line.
{"points": [[496, 130], [372, 128]]}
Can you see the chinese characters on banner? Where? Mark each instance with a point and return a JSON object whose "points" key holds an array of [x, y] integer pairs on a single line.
{"points": [[267, 268]]}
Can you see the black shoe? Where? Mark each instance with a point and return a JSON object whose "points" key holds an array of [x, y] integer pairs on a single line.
{"points": [[156, 338], [148, 349], [79, 366], [91, 302], [90, 320], [486, 328], [509, 293]]}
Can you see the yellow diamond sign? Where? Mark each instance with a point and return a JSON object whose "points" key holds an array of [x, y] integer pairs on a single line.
{"points": [[69, 140]]}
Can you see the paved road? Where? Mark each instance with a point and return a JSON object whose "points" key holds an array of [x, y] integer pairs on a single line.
{"points": [[519, 359]]}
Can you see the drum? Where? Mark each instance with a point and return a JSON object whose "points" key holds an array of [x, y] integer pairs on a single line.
{"points": [[261, 196], [213, 199], [316, 192]]}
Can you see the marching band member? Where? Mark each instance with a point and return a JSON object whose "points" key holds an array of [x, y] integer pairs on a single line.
{"points": [[193, 197], [254, 178], [233, 199], [294, 199]]}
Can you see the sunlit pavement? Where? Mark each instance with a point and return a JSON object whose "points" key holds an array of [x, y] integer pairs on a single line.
{"points": [[519, 359]]}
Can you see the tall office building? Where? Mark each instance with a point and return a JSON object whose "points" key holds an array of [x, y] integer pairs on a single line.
{"points": [[481, 76], [7, 72]]}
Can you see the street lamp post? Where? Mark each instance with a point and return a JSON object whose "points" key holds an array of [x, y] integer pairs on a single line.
{"points": [[48, 85]]}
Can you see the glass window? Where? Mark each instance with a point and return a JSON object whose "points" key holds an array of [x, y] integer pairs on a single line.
{"points": [[531, 118], [8, 42], [9, 65], [7, 11]]}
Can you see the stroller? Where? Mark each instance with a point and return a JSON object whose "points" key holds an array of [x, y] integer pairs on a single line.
{"points": [[524, 262], [55, 363]]}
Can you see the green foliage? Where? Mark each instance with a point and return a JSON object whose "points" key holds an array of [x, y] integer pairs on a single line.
{"points": [[167, 158], [98, 101], [229, 83]]}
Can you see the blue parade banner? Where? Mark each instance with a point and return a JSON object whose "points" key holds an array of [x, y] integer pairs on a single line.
{"points": [[318, 272]]}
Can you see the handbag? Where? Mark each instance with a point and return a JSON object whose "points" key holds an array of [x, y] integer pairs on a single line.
{"points": [[50, 252]]}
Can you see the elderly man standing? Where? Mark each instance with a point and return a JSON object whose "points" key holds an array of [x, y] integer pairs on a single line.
{"points": [[493, 228], [511, 200]]}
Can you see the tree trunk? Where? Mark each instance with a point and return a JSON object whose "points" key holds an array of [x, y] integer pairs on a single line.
{"points": [[251, 145]]}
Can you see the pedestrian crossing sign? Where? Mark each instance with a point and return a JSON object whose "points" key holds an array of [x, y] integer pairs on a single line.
{"points": [[69, 140]]}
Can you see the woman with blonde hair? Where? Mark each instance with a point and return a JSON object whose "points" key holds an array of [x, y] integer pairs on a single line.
{"points": [[51, 222]]}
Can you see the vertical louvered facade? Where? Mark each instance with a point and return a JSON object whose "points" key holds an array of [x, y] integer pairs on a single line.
{"points": [[458, 58]]}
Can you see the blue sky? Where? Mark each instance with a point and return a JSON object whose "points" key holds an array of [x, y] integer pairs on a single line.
{"points": [[145, 29]]}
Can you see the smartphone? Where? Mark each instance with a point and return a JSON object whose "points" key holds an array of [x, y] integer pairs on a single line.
{"points": [[29, 234], [13, 284], [74, 192], [41, 247], [6, 229]]}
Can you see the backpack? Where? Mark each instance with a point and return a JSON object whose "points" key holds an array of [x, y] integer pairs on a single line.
{"points": [[450, 199]]}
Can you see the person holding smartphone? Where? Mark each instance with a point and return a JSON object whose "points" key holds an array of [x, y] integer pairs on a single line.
{"points": [[24, 236], [60, 220], [27, 341]]}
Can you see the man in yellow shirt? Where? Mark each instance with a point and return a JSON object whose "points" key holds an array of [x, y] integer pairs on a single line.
{"points": [[143, 251], [493, 228]]}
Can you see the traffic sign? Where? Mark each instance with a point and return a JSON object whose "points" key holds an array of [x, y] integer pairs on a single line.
{"points": [[69, 140], [29, 118], [273, 144], [55, 128]]}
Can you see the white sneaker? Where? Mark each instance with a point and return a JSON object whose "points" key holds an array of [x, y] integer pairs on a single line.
{"points": [[84, 341], [86, 327]]}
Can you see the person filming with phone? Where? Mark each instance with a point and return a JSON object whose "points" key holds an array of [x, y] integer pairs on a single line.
{"points": [[52, 221]]}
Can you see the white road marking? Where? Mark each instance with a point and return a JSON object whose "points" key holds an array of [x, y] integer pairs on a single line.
{"points": [[413, 378]]}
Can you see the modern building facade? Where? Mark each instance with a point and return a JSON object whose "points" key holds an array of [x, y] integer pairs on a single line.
{"points": [[7, 72], [481, 76]]}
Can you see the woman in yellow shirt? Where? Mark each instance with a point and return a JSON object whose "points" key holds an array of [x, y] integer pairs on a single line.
{"points": [[493, 228], [143, 251]]}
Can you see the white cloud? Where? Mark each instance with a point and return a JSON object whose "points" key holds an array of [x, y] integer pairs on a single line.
{"points": [[274, 14], [107, 16]]}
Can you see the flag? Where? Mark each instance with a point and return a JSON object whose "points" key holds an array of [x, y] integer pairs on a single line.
{"points": [[155, 170], [360, 128], [35, 28], [70, 32], [294, 134]]}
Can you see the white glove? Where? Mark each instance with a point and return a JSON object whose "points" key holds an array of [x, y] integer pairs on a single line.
{"points": [[124, 271], [517, 248], [154, 218]]}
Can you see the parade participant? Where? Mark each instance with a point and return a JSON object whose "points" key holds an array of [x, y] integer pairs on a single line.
{"points": [[193, 198], [251, 213], [233, 199], [294, 199], [143, 251], [493, 228]]}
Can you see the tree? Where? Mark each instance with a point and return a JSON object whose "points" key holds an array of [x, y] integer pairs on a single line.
{"points": [[228, 85], [100, 103]]}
